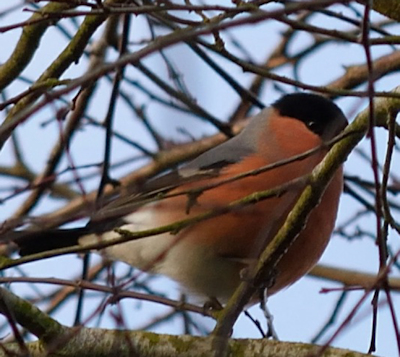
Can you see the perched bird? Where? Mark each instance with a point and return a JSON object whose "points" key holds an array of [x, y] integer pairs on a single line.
{"points": [[207, 258]]}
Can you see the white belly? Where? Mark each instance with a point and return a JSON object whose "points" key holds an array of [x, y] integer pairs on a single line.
{"points": [[198, 268]]}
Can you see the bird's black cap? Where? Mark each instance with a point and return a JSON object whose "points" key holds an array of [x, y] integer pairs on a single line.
{"points": [[321, 115]]}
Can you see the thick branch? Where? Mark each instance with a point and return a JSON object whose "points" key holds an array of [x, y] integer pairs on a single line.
{"points": [[58, 340], [28, 43], [388, 8], [351, 277], [102, 343]]}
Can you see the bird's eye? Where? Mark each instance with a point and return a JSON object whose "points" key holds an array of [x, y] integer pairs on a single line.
{"points": [[312, 125]]}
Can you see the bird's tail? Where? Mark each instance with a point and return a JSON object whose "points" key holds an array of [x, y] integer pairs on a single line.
{"points": [[31, 242]]}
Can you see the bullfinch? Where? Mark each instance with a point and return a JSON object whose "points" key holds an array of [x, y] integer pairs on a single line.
{"points": [[207, 258]]}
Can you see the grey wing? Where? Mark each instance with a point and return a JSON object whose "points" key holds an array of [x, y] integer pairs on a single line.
{"points": [[122, 205], [231, 151], [208, 164]]}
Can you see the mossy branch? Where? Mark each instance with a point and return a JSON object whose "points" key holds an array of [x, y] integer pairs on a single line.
{"points": [[71, 54], [388, 8], [59, 340], [29, 42]]}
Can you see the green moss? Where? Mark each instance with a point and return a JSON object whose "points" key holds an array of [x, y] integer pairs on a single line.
{"points": [[238, 349], [4, 262], [28, 43], [152, 338], [180, 345], [389, 8]]}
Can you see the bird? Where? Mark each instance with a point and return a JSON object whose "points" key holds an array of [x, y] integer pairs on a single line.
{"points": [[208, 258]]}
